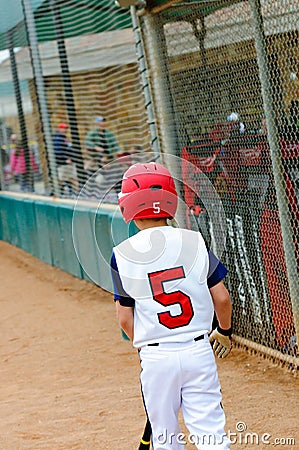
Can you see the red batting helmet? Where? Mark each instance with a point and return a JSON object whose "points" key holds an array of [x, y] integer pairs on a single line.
{"points": [[147, 192]]}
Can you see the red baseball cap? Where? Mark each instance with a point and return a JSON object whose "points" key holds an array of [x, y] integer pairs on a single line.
{"points": [[62, 125]]}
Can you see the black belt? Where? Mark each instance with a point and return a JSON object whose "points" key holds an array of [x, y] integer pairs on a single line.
{"points": [[197, 338]]}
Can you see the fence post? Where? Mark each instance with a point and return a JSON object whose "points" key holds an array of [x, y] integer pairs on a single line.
{"points": [[144, 80], [155, 49], [21, 116], [68, 91], [279, 181], [156, 54], [40, 90], [6, 143]]}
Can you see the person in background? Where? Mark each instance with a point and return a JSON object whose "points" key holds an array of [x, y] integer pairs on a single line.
{"points": [[235, 126], [19, 169], [66, 169], [12, 142], [100, 146]]}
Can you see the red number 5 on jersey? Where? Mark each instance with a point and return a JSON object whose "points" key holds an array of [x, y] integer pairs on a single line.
{"points": [[156, 280]]}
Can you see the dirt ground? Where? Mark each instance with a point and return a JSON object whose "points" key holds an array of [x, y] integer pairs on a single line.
{"points": [[69, 381]]}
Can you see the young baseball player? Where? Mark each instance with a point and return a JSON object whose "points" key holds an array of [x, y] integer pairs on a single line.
{"points": [[167, 287]]}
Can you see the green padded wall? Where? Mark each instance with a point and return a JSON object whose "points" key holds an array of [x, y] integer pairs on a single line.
{"points": [[77, 238]]}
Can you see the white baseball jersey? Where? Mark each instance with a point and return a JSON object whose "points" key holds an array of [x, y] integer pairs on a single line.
{"points": [[164, 269]]}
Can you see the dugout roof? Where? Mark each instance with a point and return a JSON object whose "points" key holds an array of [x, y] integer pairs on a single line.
{"points": [[78, 17], [181, 8], [87, 16]]}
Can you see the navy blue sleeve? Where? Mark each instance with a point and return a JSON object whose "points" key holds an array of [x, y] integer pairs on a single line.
{"points": [[217, 270], [119, 292]]}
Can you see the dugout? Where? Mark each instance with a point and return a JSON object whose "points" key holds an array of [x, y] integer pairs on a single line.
{"points": [[207, 60]]}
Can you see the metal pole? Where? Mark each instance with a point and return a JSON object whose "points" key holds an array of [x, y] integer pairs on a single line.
{"points": [[156, 52], [40, 90], [2, 176], [145, 83], [4, 142], [207, 94], [4, 131], [68, 92], [161, 84], [279, 181], [21, 116]]}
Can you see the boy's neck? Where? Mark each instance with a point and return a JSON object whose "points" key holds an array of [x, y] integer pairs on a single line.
{"points": [[143, 224]]}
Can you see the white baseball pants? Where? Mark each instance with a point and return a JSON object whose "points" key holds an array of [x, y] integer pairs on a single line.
{"points": [[183, 375]]}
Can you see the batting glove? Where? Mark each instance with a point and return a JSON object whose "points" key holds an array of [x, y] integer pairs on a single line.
{"points": [[221, 342]]}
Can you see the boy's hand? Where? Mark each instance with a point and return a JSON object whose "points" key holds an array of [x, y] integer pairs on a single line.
{"points": [[221, 342]]}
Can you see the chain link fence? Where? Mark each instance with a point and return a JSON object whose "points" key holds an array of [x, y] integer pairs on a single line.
{"points": [[214, 84], [225, 83], [72, 100]]}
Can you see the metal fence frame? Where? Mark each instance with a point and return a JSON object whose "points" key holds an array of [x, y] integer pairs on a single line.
{"points": [[151, 30]]}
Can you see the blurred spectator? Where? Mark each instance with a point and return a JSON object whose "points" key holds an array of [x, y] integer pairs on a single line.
{"points": [[18, 167], [100, 146], [236, 127], [13, 139], [67, 174]]}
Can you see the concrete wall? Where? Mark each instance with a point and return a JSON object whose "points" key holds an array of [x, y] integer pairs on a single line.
{"points": [[75, 238]]}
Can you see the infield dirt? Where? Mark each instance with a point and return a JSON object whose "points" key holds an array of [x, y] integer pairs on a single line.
{"points": [[69, 381]]}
